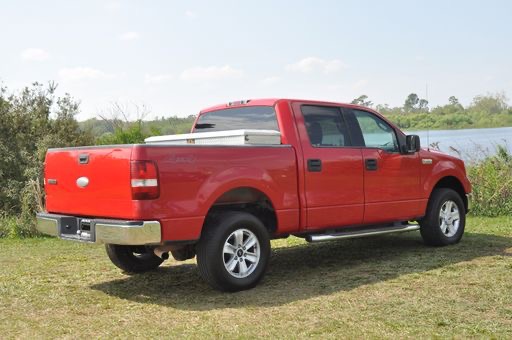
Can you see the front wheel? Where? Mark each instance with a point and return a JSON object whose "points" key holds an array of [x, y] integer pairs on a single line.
{"points": [[133, 259], [233, 252], [445, 219]]}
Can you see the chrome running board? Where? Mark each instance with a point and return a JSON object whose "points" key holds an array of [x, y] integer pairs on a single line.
{"points": [[362, 233]]}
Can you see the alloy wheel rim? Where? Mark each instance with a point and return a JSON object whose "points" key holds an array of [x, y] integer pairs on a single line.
{"points": [[241, 253], [449, 218]]}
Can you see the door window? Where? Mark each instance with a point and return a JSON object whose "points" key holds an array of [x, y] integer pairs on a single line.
{"points": [[325, 126], [376, 132]]}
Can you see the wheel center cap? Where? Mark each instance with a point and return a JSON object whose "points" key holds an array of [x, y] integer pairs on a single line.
{"points": [[239, 252]]}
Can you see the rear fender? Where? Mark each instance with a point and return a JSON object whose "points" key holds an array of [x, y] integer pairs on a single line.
{"points": [[238, 177]]}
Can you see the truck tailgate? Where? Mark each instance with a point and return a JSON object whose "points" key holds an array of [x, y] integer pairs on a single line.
{"points": [[91, 181]]}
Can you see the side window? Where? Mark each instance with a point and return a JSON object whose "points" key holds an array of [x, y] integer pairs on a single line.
{"points": [[325, 126], [376, 132]]}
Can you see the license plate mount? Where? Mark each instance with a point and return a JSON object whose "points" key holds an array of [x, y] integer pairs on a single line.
{"points": [[77, 229]]}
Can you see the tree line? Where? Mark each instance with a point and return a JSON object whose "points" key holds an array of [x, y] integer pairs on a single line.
{"points": [[485, 111]]}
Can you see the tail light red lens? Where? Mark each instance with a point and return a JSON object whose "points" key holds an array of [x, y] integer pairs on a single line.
{"points": [[144, 180]]}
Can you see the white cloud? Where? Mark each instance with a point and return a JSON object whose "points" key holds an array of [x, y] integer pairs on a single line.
{"points": [[211, 73], [130, 36], [34, 54], [82, 73], [157, 78], [190, 14], [315, 64], [271, 80]]}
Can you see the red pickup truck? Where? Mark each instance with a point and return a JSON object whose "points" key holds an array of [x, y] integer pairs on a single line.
{"points": [[339, 171]]}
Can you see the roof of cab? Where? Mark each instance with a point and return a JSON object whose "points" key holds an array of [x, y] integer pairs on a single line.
{"points": [[250, 102], [272, 102]]}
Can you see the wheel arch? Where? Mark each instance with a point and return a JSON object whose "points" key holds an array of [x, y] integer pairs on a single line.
{"points": [[452, 182], [249, 199]]}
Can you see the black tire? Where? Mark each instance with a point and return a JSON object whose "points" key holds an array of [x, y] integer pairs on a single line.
{"points": [[431, 224], [133, 259], [211, 257]]}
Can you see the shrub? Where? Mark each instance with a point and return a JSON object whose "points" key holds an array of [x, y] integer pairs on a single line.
{"points": [[491, 179], [5, 226], [13, 227], [31, 121]]}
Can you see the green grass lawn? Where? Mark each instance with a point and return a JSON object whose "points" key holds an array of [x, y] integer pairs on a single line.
{"points": [[390, 286]]}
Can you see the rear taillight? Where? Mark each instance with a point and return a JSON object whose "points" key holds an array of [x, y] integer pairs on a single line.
{"points": [[144, 180]]}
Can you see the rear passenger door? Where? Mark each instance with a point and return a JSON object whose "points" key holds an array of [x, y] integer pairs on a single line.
{"points": [[333, 168], [391, 178]]}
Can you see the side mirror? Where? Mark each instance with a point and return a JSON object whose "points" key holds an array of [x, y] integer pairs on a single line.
{"points": [[412, 143]]}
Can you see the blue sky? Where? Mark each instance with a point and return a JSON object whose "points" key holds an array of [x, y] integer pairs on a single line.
{"points": [[177, 57]]}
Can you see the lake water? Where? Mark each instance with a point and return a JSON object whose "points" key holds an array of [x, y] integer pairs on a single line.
{"points": [[469, 144]]}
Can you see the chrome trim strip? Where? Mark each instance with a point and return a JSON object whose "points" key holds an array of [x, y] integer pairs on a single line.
{"points": [[47, 226], [147, 233], [373, 232]]}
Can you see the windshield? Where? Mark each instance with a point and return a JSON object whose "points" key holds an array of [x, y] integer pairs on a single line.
{"points": [[249, 117]]}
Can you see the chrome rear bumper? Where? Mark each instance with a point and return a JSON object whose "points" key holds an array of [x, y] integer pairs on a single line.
{"points": [[99, 230]]}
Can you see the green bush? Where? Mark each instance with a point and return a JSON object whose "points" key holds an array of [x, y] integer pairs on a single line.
{"points": [[15, 227], [5, 226], [491, 179], [31, 121]]}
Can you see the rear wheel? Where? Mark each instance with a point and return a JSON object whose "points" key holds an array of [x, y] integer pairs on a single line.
{"points": [[233, 252], [133, 259], [445, 219]]}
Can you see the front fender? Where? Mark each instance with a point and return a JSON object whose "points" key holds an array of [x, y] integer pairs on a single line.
{"points": [[445, 168]]}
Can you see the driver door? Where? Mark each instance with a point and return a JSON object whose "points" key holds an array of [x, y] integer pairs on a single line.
{"points": [[391, 178]]}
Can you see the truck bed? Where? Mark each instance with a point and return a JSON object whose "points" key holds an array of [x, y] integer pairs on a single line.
{"points": [[191, 179]]}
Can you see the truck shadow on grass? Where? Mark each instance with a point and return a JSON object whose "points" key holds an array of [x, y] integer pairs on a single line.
{"points": [[305, 271]]}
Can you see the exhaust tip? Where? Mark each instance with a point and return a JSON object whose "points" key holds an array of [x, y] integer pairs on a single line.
{"points": [[164, 255]]}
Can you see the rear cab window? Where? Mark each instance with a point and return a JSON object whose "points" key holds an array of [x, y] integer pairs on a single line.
{"points": [[325, 126], [248, 118]]}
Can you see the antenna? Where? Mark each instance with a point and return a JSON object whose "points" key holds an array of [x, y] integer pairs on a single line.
{"points": [[428, 127]]}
